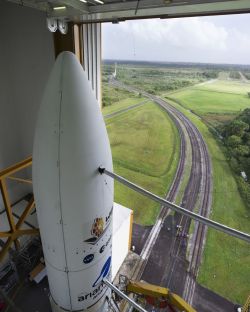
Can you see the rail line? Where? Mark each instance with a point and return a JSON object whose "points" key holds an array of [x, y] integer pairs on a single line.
{"points": [[154, 233], [199, 183], [198, 191]]}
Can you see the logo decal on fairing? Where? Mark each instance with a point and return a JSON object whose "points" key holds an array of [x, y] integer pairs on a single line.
{"points": [[98, 286], [104, 272], [99, 227]]}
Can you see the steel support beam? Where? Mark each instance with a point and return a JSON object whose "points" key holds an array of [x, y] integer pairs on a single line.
{"points": [[149, 7], [5, 234], [20, 180], [15, 229], [79, 12], [126, 10], [27, 210], [7, 205], [75, 4], [17, 167]]}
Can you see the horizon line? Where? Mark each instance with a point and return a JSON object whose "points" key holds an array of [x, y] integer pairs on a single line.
{"points": [[173, 62]]}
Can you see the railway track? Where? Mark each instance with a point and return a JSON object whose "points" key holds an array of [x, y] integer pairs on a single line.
{"points": [[197, 193], [154, 233], [200, 230], [199, 184]]}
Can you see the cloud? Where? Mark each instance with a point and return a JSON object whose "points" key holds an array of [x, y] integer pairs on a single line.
{"points": [[201, 39], [188, 32]]}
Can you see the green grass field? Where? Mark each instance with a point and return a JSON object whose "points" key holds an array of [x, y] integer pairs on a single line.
{"points": [[235, 87], [226, 261], [216, 102], [203, 102], [145, 147]]}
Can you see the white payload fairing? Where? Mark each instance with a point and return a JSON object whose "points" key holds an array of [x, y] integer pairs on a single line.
{"points": [[74, 202]]}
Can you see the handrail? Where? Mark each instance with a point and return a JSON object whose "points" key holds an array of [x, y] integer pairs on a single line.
{"points": [[216, 225], [122, 295]]}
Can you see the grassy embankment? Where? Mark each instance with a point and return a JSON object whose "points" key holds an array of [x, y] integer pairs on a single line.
{"points": [[145, 147], [225, 267]]}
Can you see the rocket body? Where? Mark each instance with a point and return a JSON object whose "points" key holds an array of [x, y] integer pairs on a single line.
{"points": [[74, 202]]}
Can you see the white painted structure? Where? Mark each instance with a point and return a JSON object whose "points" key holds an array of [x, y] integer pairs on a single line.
{"points": [[74, 201], [91, 37], [122, 227]]}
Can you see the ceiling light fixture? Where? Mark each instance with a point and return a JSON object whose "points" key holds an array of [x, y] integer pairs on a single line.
{"points": [[99, 1], [60, 8]]}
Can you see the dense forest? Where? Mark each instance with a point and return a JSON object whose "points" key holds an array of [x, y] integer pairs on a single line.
{"points": [[236, 137]]}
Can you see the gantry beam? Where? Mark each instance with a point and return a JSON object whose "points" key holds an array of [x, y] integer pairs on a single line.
{"points": [[125, 10], [77, 4], [91, 12]]}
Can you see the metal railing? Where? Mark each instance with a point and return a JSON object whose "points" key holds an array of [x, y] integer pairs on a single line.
{"points": [[210, 223], [124, 296]]}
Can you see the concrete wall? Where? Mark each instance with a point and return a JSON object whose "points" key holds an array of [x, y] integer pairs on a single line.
{"points": [[26, 57]]}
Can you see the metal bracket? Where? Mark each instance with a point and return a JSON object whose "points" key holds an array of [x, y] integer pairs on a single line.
{"points": [[63, 26], [52, 24]]}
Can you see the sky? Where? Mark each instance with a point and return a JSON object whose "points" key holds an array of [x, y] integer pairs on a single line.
{"points": [[213, 39]]}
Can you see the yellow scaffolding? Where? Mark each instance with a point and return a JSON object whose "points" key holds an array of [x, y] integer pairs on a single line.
{"points": [[15, 228], [160, 293]]}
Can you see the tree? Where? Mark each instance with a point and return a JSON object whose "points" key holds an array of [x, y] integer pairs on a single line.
{"points": [[245, 116], [233, 141], [246, 138], [241, 150], [236, 127]]}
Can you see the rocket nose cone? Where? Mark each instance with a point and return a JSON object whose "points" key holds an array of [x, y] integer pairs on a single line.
{"points": [[66, 58], [70, 73], [70, 125], [74, 202]]}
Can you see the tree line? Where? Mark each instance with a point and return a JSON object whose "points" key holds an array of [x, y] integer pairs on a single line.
{"points": [[236, 137]]}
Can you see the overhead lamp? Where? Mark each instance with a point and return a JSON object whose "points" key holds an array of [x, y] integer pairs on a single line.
{"points": [[99, 1], [59, 8], [85, 1]]}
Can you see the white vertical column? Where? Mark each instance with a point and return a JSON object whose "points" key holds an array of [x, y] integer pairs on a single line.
{"points": [[99, 63], [94, 56], [91, 41]]}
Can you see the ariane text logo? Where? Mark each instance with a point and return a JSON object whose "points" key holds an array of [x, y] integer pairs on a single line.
{"points": [[93, 294], [104, 272]]}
